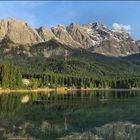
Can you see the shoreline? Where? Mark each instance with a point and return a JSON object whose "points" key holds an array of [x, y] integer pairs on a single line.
{"points": [[63, 89], [104, 89], [26, 90]]}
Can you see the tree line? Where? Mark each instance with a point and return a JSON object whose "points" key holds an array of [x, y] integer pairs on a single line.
{"points": [[53, 80], [11, 77]]}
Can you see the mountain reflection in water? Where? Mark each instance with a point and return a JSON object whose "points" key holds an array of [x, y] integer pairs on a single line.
{"points": [[75, 115]]}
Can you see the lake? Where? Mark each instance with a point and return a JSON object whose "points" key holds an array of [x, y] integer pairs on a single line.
{"points": [[74, 115]]}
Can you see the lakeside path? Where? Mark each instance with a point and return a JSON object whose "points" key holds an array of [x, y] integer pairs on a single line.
{"points": [[63, 90], [27, 90]]}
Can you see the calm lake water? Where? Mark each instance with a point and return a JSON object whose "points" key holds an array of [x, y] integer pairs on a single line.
{"points": [[69, 115]]}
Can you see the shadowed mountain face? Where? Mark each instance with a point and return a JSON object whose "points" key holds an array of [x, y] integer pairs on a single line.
{"points": [[53, 56], [19, 36]]}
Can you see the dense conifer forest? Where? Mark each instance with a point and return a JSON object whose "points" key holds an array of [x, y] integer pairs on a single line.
{"points": [[10, 77], [84, 70]]}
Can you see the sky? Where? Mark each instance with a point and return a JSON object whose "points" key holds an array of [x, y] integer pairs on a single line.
{"points": [[115, 15]]}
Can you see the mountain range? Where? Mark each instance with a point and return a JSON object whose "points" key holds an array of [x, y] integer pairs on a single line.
{"points": [[90, 50], [94, 37]]}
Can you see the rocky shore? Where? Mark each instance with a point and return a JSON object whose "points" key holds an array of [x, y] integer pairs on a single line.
{"points": [[110, 131], [113, 131]]}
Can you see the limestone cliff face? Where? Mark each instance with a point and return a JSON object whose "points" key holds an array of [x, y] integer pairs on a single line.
{"points": [[80, 35], [45, 33], [61, 33], [18, 32], [99, 39], [94, 37], [138, 44], [117, 44]]}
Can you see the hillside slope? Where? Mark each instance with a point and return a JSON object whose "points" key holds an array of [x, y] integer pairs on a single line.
{"points": [[59, 58]]}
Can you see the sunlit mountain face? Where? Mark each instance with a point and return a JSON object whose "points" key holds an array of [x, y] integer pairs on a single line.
{"points": [[94, 37]]}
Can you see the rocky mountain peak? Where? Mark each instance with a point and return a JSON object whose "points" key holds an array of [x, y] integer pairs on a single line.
{"points": [[94, 37], [58, 28], [74, 25], [79, 34], [61, 33], [61, 26], [18, 32], [138, 44], [95, 25], [45, 33]]}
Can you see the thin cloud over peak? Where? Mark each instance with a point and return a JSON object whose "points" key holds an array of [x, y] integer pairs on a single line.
{"points": [[121, 27]]}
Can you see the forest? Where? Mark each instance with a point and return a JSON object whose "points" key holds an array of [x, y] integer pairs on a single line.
{"points": [[77, 72]]}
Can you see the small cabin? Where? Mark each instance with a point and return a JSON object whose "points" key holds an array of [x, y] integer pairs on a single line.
{"points": [[26, 82]]}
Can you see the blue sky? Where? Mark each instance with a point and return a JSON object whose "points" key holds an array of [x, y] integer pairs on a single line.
{"points": [[125, 15]]}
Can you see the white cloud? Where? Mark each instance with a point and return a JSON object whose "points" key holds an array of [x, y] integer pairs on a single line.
{"points": [[122, 27]]}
